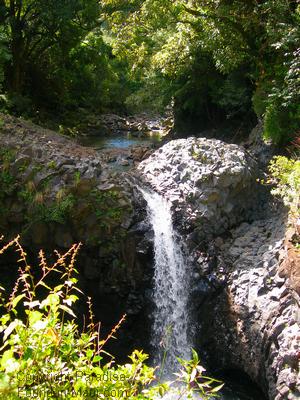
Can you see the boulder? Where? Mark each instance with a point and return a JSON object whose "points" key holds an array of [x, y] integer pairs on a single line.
{"points": [[211, 184]]}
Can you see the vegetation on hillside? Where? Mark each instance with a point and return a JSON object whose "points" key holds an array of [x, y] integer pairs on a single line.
{"points": [[53, 56], [213, 60], [285, 175], [44, 354]]}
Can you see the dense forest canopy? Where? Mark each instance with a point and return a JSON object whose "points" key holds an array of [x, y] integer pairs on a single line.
{"points": [[215, 60]]}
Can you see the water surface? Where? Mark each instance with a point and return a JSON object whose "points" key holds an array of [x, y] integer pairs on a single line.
{"points": [[116, 142]]}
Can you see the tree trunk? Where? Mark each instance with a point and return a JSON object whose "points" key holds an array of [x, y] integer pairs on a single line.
{"points": [[17, 67]]}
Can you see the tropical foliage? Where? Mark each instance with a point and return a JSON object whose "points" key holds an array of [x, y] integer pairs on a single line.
{"points": [[213, 60], [53, 55], [44, 354], [217, 55], [285, 173]]}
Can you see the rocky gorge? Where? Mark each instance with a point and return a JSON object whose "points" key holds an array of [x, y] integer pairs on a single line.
{"points": [[245, 307], [55, 192]]}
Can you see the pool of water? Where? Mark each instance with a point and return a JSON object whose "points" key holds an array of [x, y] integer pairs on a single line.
{"points": [[239, 387], [116, 142], [234, 393]]}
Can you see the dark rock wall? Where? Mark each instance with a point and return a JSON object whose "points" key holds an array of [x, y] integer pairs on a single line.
{"points": [[55, 193], [253, 322]]}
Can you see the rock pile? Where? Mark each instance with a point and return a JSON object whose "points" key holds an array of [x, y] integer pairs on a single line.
{"points": [[140, 125]]}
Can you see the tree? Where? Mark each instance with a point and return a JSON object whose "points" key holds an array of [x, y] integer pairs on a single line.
{"points": [[178, 38], [37, 26]]}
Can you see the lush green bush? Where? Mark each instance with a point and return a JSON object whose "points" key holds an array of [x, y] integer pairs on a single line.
{"points": [[281, 123], [285, 173], [44, 354]]}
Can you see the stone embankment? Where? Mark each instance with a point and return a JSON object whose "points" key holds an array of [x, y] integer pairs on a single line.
{"points": [[253, 322], [141, 125]]}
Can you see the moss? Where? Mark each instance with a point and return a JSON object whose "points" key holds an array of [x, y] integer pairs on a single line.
{"points": [[107, 207], [7, 181], [52, 165]]}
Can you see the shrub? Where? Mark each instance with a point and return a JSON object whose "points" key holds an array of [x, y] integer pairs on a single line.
{"points": [[281, 123], [46, 356], [286, 174]]}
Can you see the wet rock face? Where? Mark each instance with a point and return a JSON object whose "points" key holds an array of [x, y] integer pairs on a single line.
{"points": [[210, 183]]}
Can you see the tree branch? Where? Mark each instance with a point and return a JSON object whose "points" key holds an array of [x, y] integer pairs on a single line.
{"points": [[235, 25], [195, 13], [19, 9]]}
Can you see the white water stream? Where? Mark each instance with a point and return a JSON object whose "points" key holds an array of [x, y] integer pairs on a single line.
{"points": [[170, 335], [171, 331]]}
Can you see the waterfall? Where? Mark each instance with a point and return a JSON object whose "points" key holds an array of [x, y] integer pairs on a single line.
{"points": [[170, 333]]}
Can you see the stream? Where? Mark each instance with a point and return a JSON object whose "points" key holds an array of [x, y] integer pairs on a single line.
{"points": [[117, 141]]}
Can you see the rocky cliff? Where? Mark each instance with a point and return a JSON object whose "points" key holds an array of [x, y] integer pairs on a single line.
{"points": [[54, 193], [246, 311]]}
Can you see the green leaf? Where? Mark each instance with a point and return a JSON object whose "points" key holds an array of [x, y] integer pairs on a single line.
{"points": [[67, 310], [161, 391], [6, 357], [97, 359], [4, 319], [16, 300], [11, 327], [34, 316], [195, 356], [69, 300], [217, 388], [89, 354], [28, 354], [51, 300], [42, 283]]}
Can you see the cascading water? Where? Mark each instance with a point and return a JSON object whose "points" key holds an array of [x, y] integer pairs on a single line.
{"points": [[172, 278], [170, 335]]}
